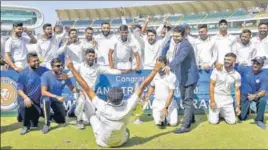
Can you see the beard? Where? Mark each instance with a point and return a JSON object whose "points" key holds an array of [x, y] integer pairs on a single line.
{"points": [[105, 33], [34, 67], [18, 34], [90, 62], [124, 38], [263, 32]]}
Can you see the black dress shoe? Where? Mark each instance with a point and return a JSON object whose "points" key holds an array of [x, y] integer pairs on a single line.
{"points": [[161, 126], [181, 130]]}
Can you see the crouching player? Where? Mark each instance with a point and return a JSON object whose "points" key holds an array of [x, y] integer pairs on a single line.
{"points": [[165, 109]]}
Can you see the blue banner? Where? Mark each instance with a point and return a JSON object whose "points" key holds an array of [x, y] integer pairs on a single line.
{"points": [[126, 82]]}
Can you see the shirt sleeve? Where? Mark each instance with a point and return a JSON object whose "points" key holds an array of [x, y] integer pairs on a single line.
{"points": [[98, 103], [213, 75], [8, 46], [264, 84], [20, 85], [153, 83], [26, 38], [132, 101], [68, 82], [44, 80], [172, 82]]}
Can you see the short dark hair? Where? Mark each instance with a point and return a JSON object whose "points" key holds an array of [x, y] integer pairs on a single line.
{"points": [[89, 50], [115, 95], [263, 23], [162, 59], [246, 31], [105, 23], [30, 55], [152, 31], [88, 28], [55, 60], [223, 21], [231, 55], [202, 26], [123, 28], [179, 29], [71, 31], [18, 24], [168, 27], [46, 25], [57, 26], [138, 26]]}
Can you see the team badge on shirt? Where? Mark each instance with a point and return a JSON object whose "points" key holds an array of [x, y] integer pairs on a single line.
{"points": [[258, 81], [8, 94]]}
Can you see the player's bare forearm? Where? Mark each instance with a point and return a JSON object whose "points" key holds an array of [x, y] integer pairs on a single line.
{"points": [[237, 96], [150, 92], [211, 90], [91, 94], [170, 97], [146, 82], [138, 59], [22, 94], [9, 61], [111, 58], [46, 93]]}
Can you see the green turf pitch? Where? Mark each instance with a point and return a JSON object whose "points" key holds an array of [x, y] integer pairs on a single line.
{"points": [[244, 135]]}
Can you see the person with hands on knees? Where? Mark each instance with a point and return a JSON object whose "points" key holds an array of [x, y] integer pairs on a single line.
{"points": [[220, 90], [53, 83], [253, 89], [110, 120], [164, 107]]}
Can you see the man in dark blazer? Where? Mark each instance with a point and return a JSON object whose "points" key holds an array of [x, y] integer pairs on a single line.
{"points": [[185, 68]]}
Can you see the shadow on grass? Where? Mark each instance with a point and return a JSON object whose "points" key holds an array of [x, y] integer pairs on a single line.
{"points": [[11, 127], [141, 140], [6, 147]]}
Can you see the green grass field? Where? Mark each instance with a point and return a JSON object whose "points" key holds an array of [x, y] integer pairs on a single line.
{"points": [[244, 135]]}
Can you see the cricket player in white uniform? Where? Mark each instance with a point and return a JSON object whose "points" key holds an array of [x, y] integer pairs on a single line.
{"points": [[90, 71], [261, 42], [221, 101], [15, 47], [120, 57], [110, 121], [223, 43], [164, 107]]}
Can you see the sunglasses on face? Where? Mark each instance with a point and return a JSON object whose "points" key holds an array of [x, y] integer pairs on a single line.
{"points": [[58, 66]]}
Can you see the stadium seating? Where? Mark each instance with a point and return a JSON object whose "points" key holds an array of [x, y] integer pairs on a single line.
{"points": [[241, 14], [97, 23], [174, 19], [194, 18], [116, 22], [216, 16], [67, 23], [83, 23]]}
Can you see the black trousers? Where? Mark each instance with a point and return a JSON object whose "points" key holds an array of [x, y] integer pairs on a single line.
{"points": [[30, 114], [57, 107]]}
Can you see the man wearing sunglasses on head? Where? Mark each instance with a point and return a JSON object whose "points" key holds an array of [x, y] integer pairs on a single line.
{"points": [[52, 86], [253, 89]]}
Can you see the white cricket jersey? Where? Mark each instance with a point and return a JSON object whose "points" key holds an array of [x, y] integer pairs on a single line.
{"points": [[261, 48], [3, 41], [91, 73], [244, 53], [162, 86], [104, 44], [223, 45], [151, 53], [205, 54], [171, 51], [87, 44], [114, 119], [123, 53], [48, 48], [17, 47], [224, 83], [75, 52]]}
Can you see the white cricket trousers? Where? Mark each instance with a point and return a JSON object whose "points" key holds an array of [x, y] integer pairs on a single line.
{"points": [[224, 110], [172, 118]]}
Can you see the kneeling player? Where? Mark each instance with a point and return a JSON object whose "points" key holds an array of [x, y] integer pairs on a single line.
{"points": [[164, 107]]}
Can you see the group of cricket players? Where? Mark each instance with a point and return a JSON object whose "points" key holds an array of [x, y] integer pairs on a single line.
{"points": [[233, 62]]}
